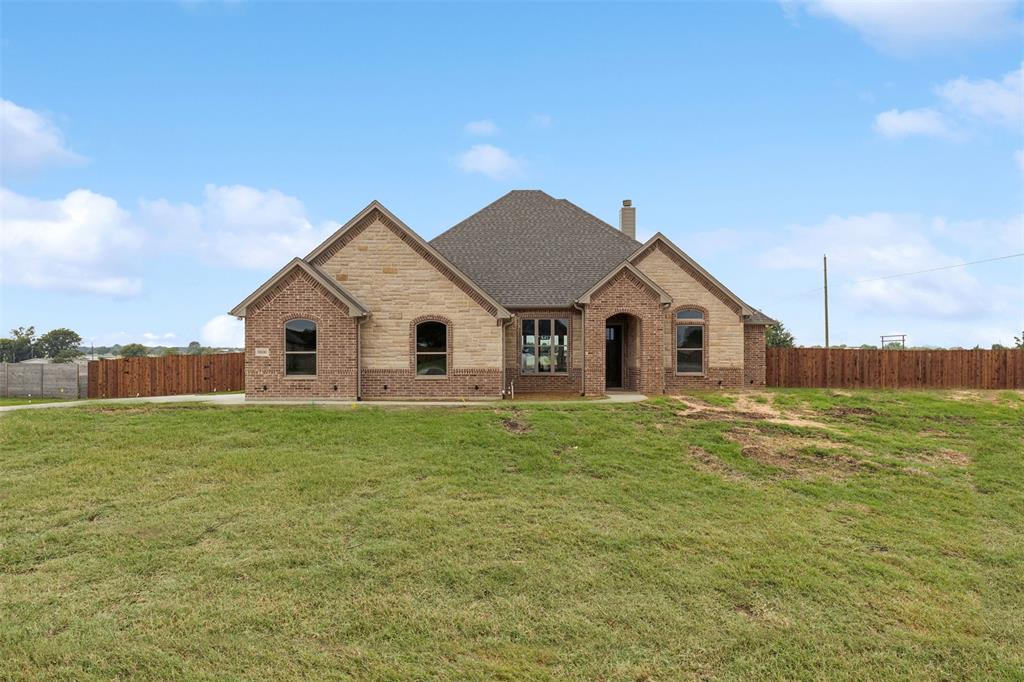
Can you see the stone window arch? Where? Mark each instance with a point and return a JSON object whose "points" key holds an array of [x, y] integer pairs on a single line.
{"points": [[431, 346]]}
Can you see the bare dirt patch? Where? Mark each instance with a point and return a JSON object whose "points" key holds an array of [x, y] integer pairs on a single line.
{"points": [[796, 456], [707, 462], [762, 612], [842, 412], [745, 409], [944, 456], [516, 424], [966, 395]]}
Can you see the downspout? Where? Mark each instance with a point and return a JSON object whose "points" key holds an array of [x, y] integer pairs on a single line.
{"points": [[583, 365], [504, 377]]}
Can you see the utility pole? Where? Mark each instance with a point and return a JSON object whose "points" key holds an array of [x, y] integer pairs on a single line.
{"points": [[824, 260]]}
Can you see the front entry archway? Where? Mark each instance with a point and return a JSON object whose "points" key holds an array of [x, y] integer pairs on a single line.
{"points": [[625, 299], [621, 352]]}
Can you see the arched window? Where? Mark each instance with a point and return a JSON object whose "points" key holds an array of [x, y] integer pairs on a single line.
{"points": [[300, 348], [690, 338], [431, 349]]}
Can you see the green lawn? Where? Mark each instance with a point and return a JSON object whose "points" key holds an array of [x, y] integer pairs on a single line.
{"points": [[29, 401], [792, 534]]}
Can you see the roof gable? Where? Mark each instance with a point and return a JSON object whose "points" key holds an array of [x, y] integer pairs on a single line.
{"points": [[632, 269], [355, 308], [374, 212], [528, 249], [749, 314]]}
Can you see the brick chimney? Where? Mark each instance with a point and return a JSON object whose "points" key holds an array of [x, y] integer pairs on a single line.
{"points": [[627, 218]]}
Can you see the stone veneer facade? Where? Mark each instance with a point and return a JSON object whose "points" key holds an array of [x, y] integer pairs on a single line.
{"points": [[724, 329], [399, 285], [402, 283]]}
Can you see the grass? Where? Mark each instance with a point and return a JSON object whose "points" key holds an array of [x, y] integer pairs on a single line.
{"points": [[867, 535], [29, 401]]}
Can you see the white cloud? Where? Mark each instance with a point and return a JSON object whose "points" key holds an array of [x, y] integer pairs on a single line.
{"points": [[968, 104], [489, 160], [482, 128], [896, 124], [82, 242], [223, 331], [876, 245], [239, 226], [908, 25], [991, 101], [30, 141], [155, 339]]}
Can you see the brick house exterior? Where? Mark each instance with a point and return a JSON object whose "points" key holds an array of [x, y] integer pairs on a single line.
{"points": [[530, 294]]}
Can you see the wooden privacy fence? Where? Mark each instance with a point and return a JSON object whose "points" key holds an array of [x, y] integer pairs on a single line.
{"points": [[170, 375], [873, 368]]}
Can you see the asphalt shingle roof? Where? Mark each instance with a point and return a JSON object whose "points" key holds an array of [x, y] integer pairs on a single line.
{"points": [[530, 249]]}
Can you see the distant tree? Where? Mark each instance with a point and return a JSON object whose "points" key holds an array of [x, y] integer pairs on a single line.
{"points": [[999, 346], [893, 345], [170, 351], [1018, 341], [194, 348], [20, 346], [134, 350], [67, 355], [53, 342], [778, 336]]}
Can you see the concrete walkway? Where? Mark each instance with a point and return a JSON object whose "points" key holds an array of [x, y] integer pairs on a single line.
{"points": [[238, 399]]}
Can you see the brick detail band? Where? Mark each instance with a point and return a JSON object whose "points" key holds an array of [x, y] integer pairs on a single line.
{"points": [[460, 383], [715, 377]]}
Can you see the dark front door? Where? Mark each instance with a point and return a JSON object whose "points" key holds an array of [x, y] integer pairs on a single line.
{"points": [[613, 356]]}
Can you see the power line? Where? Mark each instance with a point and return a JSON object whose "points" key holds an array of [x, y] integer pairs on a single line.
{"points": [[944, 267], [903, 274]]}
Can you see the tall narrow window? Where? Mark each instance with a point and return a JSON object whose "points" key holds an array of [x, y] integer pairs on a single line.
{"points": [[300, 348], [690, 330], [431, 349], [545, 346]]}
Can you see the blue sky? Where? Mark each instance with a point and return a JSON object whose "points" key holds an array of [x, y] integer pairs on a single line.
{"points": [[160, 160]]}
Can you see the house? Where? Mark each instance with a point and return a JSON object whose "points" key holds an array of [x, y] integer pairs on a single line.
{"points": [[530, 293]]}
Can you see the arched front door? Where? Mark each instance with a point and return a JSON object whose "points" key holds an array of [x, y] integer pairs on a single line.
{"points": [[621, 352]]}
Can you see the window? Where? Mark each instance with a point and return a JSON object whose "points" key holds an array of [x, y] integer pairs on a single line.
{"points": [[431, 349], [689, 341], [545, 346], [300, 348]]}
